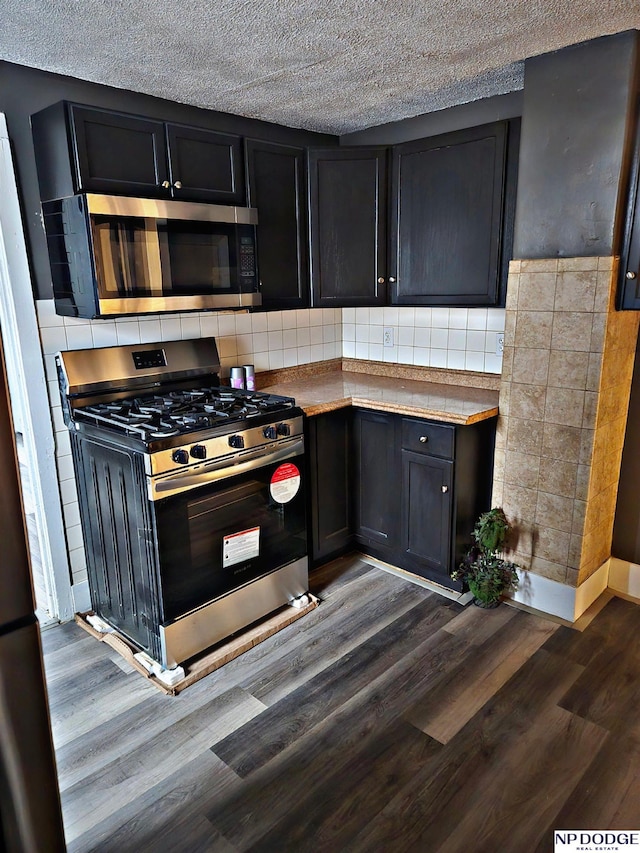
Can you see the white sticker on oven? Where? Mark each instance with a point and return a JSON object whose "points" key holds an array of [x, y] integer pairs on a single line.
{"points": [[241, 546], [285, 483]]}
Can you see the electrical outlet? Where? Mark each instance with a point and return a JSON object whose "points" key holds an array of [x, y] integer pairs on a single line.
{"points": [[499, 343], [387, 338]]}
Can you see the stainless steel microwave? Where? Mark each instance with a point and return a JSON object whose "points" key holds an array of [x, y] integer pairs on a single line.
{"points": [[114, 255]]}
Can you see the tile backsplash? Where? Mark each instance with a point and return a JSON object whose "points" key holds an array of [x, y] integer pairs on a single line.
{"points": [[269, 340], [456, 338]]}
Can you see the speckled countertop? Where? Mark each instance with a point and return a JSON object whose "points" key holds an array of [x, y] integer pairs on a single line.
{"points": [[441, 402]]}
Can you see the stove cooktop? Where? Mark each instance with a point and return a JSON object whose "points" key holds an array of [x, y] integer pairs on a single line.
{"points": [[182, 412]]}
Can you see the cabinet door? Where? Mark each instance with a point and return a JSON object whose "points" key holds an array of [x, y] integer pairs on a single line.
{"points": [[205, 165], [377, 478], [628, 292], [348, 210], [116, 153], [447, 215], [275, 186], [426, 515], [329, 462]]}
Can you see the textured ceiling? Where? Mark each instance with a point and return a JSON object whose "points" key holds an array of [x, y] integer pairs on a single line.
{"points": [[328, 65]]}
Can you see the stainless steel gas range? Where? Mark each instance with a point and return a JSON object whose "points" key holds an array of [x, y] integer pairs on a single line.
{"points": [[192, 496]]}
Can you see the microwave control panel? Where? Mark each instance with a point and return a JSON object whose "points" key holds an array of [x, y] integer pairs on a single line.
{"points": [[247, 266]]}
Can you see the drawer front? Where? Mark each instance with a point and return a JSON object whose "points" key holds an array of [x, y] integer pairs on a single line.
{"points": [[428, 437]]}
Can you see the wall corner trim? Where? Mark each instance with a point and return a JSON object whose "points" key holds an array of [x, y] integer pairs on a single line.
{"points": [[624, 578]]}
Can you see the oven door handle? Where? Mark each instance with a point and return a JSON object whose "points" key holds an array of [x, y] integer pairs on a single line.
{"points": [[174, 484]]}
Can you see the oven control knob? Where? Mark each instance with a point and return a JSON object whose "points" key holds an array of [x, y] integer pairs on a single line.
{"points": [[270, 432], [283, 429], [181, 456], [199, 451], [236, 441]]}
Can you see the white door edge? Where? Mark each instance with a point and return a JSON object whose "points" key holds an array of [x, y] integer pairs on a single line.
{"points": [[28, 387]]}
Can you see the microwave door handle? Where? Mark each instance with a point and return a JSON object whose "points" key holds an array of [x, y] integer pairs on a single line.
{"points": [[173, 484], [123, 251]]}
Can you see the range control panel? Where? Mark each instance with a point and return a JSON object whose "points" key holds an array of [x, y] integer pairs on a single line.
{"points": [[144, 359]]}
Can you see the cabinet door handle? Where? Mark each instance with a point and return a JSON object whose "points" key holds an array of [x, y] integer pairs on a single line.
{"points": [[380, 280], [178, 185], [165, 185], [392, 279], [424, 439], [631, 275], [445, 489]]}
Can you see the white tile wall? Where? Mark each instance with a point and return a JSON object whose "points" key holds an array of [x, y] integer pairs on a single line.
{"points": [[458, 338]]}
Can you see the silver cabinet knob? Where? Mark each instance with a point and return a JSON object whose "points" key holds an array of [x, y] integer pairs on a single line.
{"points": [[392, 279], [631, 274], [380, 280], [165, 185], [178, 185], [424, 439], [445, 489]]}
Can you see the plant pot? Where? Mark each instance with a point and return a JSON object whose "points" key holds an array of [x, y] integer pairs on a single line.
{"points": [[484, 594], [486, 605]]}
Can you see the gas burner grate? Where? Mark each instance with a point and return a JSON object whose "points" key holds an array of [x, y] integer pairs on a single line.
{"points": [[180, 411]]}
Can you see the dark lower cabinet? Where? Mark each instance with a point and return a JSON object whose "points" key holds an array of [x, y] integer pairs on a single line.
{"points": [[276, 187], [416, 488], [426, 514], [329, 455], [376, 481]]}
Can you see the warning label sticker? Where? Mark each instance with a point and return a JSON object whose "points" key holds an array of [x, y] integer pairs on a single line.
{"points": [[285, 483], [240, 546]]}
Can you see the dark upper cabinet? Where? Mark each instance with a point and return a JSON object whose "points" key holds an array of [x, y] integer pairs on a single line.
{"points": [[276, 187], [348, 220], [447, 215], [205, 165], [451, 207], [115, 153], [628, 290], [86, 149]]}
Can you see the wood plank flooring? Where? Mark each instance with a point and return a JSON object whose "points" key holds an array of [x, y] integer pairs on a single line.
{"points": [[388, 719]]}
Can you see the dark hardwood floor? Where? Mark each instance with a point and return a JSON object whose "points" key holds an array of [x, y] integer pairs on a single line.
{"points": [[388, 719]]}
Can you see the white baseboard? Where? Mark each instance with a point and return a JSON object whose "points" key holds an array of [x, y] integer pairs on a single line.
{"points": [[558, 599], [624, 578], [81, 597]]}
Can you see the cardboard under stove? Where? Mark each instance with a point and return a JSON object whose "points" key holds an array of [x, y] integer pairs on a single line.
{"points": [[210, 660]]}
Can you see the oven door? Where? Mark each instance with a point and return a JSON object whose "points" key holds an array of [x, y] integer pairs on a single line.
{"points": [[239, 525]]}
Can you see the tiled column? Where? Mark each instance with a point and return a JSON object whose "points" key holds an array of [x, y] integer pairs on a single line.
{"points": [[568, 362]]}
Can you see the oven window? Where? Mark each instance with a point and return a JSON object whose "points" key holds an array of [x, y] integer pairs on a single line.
{"points": [[126, 256], [197, 257], [194, 529]]}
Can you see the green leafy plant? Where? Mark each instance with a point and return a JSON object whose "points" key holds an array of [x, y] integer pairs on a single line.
{"points": [[484, 570]]}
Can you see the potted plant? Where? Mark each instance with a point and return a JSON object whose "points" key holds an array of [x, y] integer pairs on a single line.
{"points": [[484, 570]]}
